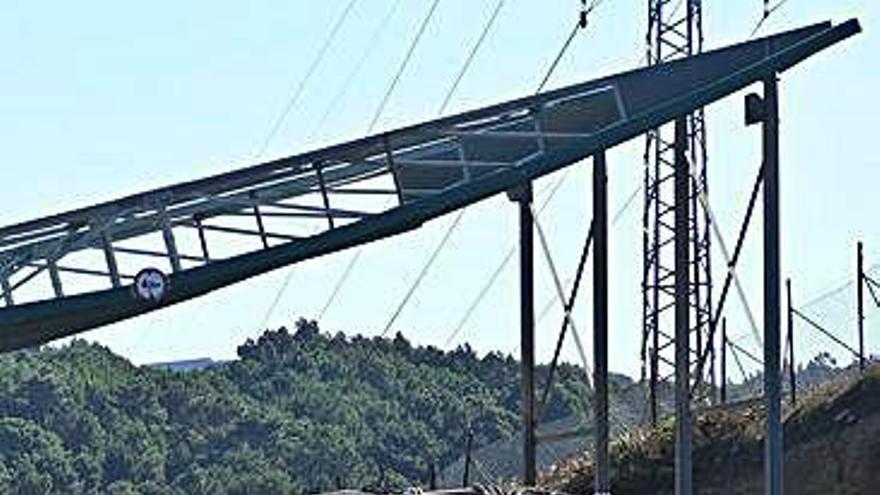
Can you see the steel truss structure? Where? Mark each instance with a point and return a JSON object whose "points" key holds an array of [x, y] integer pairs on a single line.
{"points": [[429, 170], [243, 223], [673, 33]]}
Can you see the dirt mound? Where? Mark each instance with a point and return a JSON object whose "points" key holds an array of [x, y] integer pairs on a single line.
{"points": [[832, 446]]}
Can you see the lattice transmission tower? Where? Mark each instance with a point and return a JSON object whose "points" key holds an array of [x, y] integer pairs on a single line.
{"points": [[675, 31]]}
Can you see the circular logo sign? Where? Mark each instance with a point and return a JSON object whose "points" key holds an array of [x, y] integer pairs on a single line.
{"points": [[151, 285]]}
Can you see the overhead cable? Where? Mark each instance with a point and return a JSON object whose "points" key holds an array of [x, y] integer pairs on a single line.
{"points": [[356, 68], [412, 47], [825, 332], [768, 11], [471, 55], [297, 93], [558, 58], [279, 121], [455, 223], [281, 290], [738, 361], [403, 64], [424, 271], [582, 24]]}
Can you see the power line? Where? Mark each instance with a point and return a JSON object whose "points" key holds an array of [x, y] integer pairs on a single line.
{"points": [[424, 271], [455, 223], [354, 259], [294, 98], [356, 69], [500, 268], [281, 290], [403, 64], [558, 58], [581, 24], [471, 55], [352, 75], [565, 46], [340, 282], [768, 11], [279, 121]]}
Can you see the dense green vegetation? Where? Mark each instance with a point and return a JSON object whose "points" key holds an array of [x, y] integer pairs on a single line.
{"points": [[299, 412]]}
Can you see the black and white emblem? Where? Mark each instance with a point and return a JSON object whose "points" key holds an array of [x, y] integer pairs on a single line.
{"points": [[151, 285]]}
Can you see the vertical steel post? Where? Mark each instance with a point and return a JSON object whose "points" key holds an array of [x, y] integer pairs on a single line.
{"points": [[110, 258], [5, 286], [468, 446], [860, 303], [723, 360], [527, 333], [261, 227], [683, 433], [600, 322], [55, 277], [7, 291], [392, 167], [325, 196], [792, 377], [171, 246], [772, 379], [203, 241], [655, 364]]}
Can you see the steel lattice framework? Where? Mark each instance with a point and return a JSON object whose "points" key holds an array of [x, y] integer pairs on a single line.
{"points": [[428, 170], [675, 31], [70, 272]]}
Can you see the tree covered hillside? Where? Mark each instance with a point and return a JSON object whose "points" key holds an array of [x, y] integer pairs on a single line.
{"points": [[300, 411]]}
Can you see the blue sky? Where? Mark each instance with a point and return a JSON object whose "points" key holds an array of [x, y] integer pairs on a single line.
{"points": [[106, 98]]}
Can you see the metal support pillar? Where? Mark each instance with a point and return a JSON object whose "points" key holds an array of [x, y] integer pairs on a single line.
{"points": [[772, 380], [602, 484], [392, 167], [468, 448], [319, 170], [723, 363], [203, 241], [261, 227], [171, 247], [523, 197], [654, 379], [55, 277], [6, 287], [860, 303], [792, 377], [683, 427], [110, 257]]}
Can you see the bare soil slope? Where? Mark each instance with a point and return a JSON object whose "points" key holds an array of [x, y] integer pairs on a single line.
{"points": [[832, 446]]}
